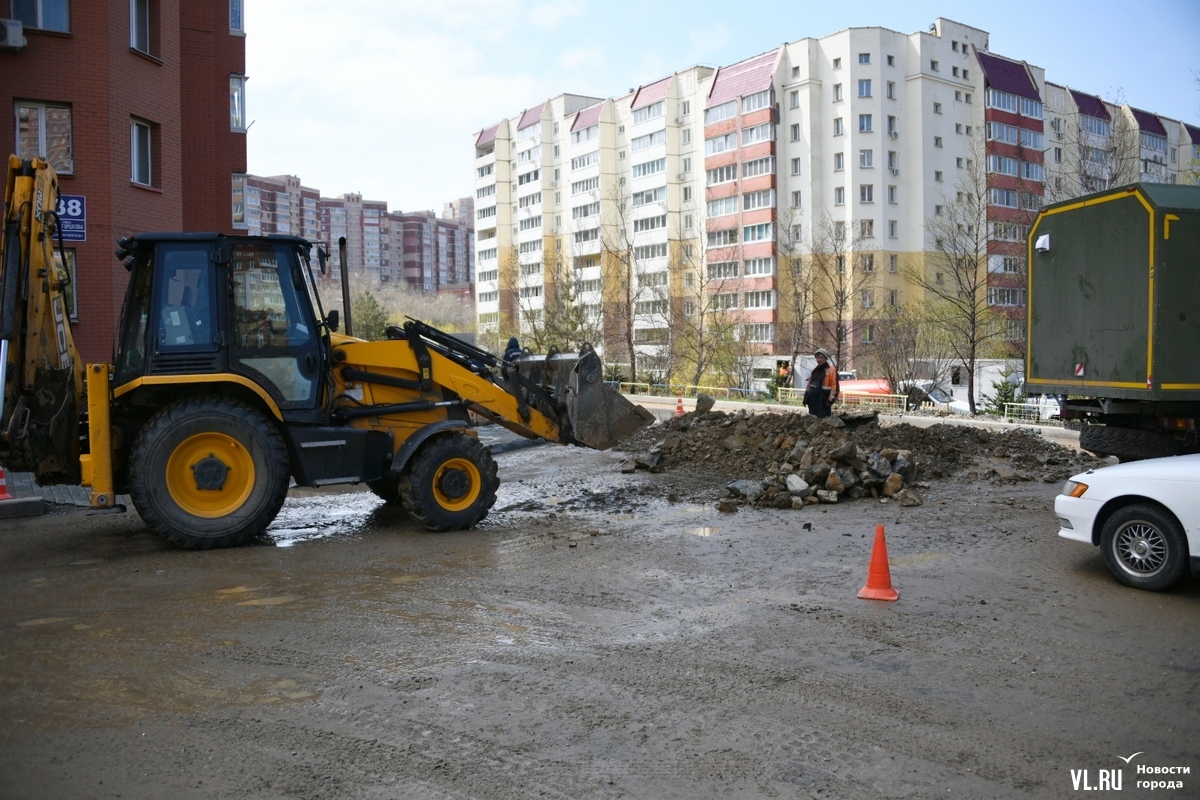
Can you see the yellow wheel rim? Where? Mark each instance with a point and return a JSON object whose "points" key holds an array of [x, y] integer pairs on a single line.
{"points": [[210, 475], [448, 484]]}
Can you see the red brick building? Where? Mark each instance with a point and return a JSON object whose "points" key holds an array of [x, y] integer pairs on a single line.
{"points": [[141, 108]]}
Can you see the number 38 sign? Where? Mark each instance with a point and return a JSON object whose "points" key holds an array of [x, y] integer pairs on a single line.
{"points": [[72, 217]]}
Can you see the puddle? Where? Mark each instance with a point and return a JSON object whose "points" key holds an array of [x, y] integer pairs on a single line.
{"points": [[305, 519], [916, 559], [271, 601], [703, 533], [31, 623]]}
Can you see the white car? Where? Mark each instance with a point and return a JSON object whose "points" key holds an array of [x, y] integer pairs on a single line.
{"points": [[1144, 515]]}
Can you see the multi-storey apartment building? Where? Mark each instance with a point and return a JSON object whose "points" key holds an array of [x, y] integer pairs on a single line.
{"points": [[141, 109], [852, 156]]}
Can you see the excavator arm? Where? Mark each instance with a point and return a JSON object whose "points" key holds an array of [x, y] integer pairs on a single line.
{"points": [[40, 370]]}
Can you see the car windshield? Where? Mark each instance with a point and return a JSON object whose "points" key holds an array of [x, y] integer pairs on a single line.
{"points": [[939, 396]]}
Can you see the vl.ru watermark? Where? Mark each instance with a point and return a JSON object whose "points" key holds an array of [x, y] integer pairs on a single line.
{"points": [[1144, 776]]}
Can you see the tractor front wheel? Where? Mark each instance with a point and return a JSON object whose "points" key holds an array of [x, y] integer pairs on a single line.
{"points": [[451, 483]]}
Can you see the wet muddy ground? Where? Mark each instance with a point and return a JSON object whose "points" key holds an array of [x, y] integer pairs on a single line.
{"points": [[592, 639]]}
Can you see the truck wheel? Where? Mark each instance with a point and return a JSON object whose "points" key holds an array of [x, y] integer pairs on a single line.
{"points": [[1144, 547], [451, 484], [208, 472], [1127, 444]]}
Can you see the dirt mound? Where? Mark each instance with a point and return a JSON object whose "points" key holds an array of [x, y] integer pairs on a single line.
{"points": [[788, 460]]}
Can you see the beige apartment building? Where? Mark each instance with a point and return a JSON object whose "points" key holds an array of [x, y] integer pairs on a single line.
{"points": [[795, 199]]}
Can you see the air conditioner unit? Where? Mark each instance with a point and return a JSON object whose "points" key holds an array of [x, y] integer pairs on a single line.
{"points": [[12, 34], [1058, 135], [894, 134], [679, 120], [894, 170], [553, 183], [682, 175]]}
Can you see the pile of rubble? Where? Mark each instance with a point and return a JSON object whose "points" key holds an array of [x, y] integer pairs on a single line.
{"points": [[791, 460]]}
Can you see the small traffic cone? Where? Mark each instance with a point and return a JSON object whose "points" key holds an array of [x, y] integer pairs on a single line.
{"points": [[879, 578], [4, 495], [679, 406]]}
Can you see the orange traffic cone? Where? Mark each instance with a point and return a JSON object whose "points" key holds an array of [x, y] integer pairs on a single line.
{"points": [[679, 406], [4, 495], [879, 578]]}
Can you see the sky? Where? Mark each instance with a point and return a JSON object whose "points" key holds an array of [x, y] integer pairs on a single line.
{"points": [[384, 97]]}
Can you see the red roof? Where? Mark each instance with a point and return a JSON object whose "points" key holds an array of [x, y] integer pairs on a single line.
{"points": [[743, 78], [587, 118], [487, 135], [1007, 76], [1193, 132], [1091, 105], [531, 117], [650, 94], [1148, 122]]}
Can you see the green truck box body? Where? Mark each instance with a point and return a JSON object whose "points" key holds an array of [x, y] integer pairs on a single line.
{"points": [[1114, 295]]}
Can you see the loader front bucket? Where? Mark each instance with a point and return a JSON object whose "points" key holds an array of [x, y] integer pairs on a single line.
{"points": [[600, 416]]}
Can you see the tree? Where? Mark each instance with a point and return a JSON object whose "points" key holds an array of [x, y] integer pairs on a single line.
{"points": [[370, 319], [841, 277], [795, 287], [1096, 154], [913, 350], [705, 316], [954, 276]]}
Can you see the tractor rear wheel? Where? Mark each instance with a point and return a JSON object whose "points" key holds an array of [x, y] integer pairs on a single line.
{"points": [[209, 472], [450, 484]]}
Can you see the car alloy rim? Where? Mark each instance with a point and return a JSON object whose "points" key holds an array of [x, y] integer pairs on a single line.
{"points": [[1141, 548]]}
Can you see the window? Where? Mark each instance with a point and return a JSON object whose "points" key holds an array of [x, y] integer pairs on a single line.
{"points": [[839, 235], [794, 99], [796, 199], [237, 103], [759, 166], [141, 140], [646, 252], [1005, 101], [893, 131], [998, 296], [758, 332], [1031, 108], [892, 229], [649, 168], [937, 175], [45, 15], [937, 141], [837, 92], [1153, 141], [652, 279], [485, 170], [531, 177], [892, 265], [485, 213], [721, 175], [891, 61], [866, 158], [937, 210], [756, 101], [586, 236], [578, 212], [841, 264], [1100, 127], [652, 111], [1003, 197], [687, 165], [585, 160], [838, 130], [1002, 165], [868, 298], [759, 300], [866, 193], [760, 266], [866, 228], [719, 208], [839, 196], [722, 269], [760, 199], [891, 90], [489, 297], [937, 108], [718, 113], [1032, 139], [759, 133], [868, 334], [837, 63], [719, 144], [1033, 172], [685, 108], [763, 232], [724, 302], [864, 123], [999, 132], [655, 195], [723, 237], [796, 165], [585, 185], [1058, 155], [649, 223], [236, 21], [933, 66], [839, 162], [139, 25], [892, 194], [864, 88], [687, 194], [582, 135], [958, 128], [867, 262], [795, 131], [529, 223], [486, 191], [687, 136], [649, 140], [954, 71], [527, 201], [45, 130]]}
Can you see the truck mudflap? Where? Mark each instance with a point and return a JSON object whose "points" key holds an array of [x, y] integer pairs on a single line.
{"points": [[599, 415]]}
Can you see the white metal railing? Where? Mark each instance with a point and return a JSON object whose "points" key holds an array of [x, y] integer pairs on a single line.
{"points": [[1027, 412], [889, 402]]}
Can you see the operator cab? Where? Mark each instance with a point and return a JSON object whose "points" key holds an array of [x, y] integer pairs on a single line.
{"points": [[207, 304]]}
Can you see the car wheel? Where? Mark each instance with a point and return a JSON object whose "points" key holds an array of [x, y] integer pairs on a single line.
{"points": [[451, 483], [1144, 547]]}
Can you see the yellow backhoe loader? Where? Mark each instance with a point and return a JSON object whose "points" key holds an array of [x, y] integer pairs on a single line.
{"points": [[229, 380]]}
